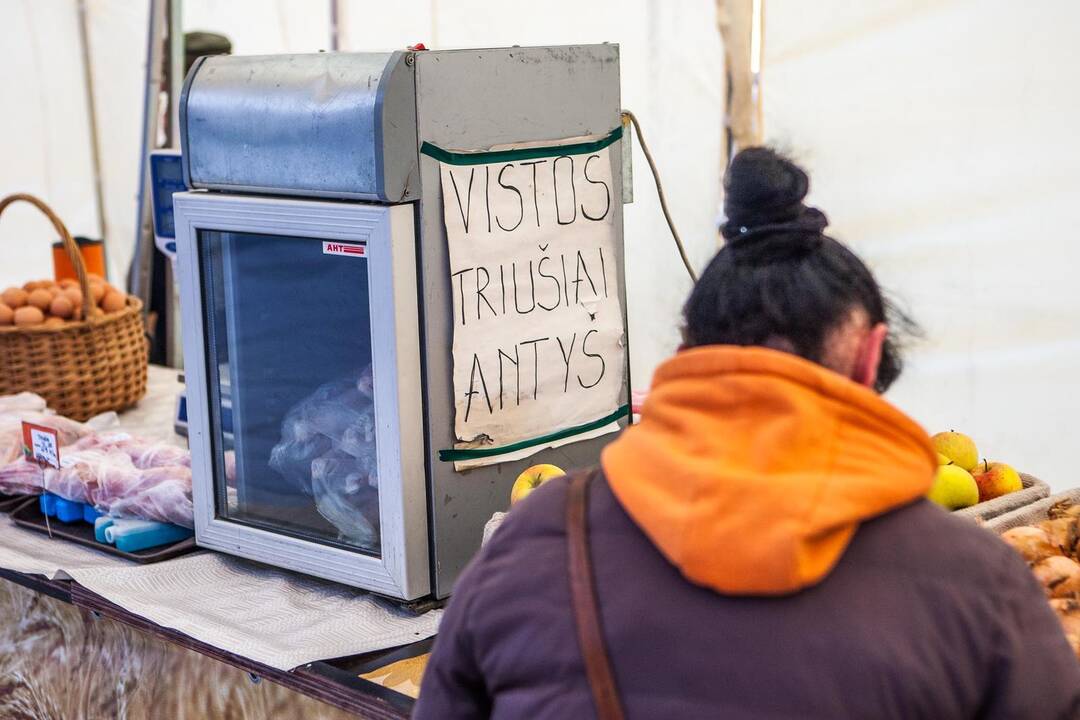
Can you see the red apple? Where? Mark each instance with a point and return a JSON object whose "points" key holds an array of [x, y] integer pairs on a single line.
{"points": [[996, 479]]}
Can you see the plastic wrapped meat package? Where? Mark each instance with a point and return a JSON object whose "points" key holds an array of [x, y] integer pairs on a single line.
{"points": [[117, 473], [21, 477], [107, 475], [11, 439], [120, 476], [28, 407], [159, 493], [17, 476], [81, 472], [143, 454], [327, 450]]}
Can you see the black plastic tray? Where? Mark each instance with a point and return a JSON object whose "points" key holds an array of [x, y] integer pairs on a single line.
{"points": [[29, 515], [11, 502]]}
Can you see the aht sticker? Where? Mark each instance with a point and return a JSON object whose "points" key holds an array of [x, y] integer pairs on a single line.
{"points": [[334, 248]]}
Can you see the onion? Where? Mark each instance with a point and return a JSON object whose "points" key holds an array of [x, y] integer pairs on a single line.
{"points": [[1063, 533], [1068, 612], [1059, 575], [1031, 542], [1063, 508]]}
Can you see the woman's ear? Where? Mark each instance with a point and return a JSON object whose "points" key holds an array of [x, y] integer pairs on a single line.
{"points": [[869, 358]]}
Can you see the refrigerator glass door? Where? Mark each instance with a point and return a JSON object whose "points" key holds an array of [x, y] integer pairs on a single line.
{"points": [[290, 370], [302, 362]]}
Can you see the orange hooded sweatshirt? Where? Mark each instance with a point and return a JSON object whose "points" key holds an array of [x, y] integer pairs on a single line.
{"points": [[751, 469]]}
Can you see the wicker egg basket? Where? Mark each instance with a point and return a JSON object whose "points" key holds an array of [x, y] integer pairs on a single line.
{"points": [[94, 363]]}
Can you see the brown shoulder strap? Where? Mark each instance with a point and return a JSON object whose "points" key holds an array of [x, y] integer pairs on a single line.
{"points": [[583, 598]]}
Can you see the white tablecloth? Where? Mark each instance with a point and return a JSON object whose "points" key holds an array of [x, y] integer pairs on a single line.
{"points": [[278, 618], [35, 553], [275, 617]]}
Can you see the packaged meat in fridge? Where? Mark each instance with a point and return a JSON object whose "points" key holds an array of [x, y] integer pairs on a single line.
{"points": [[338, 416], [341, 487]]}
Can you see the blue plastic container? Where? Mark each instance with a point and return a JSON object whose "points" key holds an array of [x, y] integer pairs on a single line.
{"points": [[47, 503], [100, 526], [131, 535], [67, 511]]}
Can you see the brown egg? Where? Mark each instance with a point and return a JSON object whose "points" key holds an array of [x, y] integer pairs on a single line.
{"points": [[68, 282], [61, 306], [53, 322], [114, 300], [7, 315], [40, 298], [33, 285], [14, 297], [29, 315], [99, 291], [74, 294]]}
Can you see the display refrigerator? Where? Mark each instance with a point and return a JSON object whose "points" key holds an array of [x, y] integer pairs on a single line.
{"points": [[317, 299]]}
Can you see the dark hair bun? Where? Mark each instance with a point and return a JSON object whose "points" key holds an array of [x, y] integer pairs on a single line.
{"points": [[764, 193]]}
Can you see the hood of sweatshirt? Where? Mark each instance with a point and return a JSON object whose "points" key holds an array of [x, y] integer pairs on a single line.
{"points": [[751, 468]]}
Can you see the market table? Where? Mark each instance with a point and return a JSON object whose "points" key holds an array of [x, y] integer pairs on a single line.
{"points": [[70, 652]]}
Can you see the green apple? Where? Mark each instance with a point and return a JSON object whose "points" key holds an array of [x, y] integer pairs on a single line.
{"points": [[953, 488], [531, 479], [958, 447]]}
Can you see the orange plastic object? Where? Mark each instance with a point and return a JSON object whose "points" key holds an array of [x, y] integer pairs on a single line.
{"points": [[92, 251]]}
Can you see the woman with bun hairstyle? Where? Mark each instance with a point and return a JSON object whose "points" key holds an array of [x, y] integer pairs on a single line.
{"points": [[760, 544]]}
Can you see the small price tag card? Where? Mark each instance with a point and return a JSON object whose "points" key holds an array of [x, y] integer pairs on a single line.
{"points": [[42, 444]]}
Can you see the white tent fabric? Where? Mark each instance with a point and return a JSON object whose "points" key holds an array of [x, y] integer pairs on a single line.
{"points": [[941, 142], [45, 127], [672, 77], [45, 134]]}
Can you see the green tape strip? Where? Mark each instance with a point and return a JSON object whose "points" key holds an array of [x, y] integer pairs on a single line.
{"points": [[493, 156], [474, 453]]}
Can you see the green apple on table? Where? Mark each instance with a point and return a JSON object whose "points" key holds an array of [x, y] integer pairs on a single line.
{"points": [[531, 479]]}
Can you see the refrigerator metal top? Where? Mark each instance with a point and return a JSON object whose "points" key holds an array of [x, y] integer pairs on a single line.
{"points": [[332, 125]]}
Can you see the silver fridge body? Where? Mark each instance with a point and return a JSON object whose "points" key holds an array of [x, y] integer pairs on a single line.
{"points": [[479, 99], [349, 127]]}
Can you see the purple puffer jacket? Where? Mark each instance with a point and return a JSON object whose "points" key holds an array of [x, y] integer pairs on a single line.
{"points": [[921, 618]]}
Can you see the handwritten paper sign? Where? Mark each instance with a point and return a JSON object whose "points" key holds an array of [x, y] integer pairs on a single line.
{"points": [[539, 347], [41, 444]]}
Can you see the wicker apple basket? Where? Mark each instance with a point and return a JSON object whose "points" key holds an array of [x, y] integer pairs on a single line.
{"points": [[95, 363], [1032, 514]]}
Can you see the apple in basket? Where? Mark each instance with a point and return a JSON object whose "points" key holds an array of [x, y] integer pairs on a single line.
{"points": [[953, 488], [533, 478], [958, 448], [996, 479]]}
